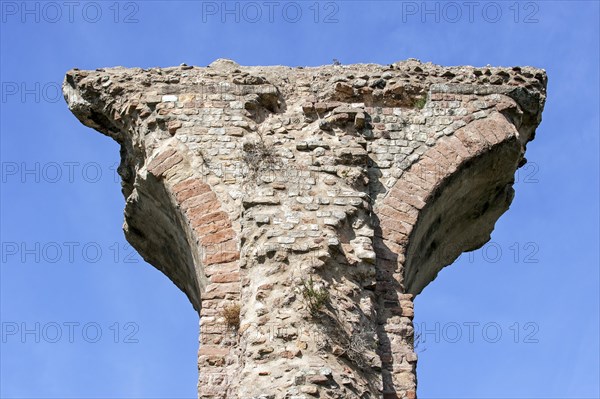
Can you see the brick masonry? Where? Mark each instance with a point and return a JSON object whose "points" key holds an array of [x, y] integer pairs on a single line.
{"points": [[311, 203]]}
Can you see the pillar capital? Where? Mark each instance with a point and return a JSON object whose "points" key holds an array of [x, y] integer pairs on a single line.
{"points": [[302, 209]]}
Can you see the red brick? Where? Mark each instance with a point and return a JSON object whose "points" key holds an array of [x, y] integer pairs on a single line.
{"points": [[394, 220], [210, 250], [472, 141], [212, 227], [412, 189], [448, 161], [407, 198], [411, 212], [221, 257], [163, 162], [390, 212], [218, 237], [396, 237], [196, 214], [157, 160], [438, 158], [488, 129], [225, 277], [184, 184], [212, 217], [503, 129], [190, 188], [457, 145], [447, 150], [220, 290], [414, 178], [199, 200], [172, 126], [221, 268], [168, 164], [430, 170], [227, 246], [396, 225]]}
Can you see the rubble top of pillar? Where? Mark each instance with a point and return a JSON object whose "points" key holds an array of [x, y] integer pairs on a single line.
{"points": [[411, 71], [401, 84]]}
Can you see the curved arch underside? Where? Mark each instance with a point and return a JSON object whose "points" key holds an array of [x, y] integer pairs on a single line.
{"points": [[461, 213]]}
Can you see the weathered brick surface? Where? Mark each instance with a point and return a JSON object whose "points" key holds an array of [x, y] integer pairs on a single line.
{"points": [[256, 188]]}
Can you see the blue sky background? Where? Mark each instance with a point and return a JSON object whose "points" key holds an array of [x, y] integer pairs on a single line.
{"points": [[537, 283]]}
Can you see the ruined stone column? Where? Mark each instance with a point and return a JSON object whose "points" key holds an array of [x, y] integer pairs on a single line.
{"points": [[302, 209]]}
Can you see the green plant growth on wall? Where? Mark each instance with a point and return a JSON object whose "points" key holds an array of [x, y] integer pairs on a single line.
{"points": [[315, 297], [420, 102]]}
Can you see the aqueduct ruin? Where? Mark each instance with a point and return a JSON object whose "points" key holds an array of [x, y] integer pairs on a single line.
{"points": [[302, 209]]}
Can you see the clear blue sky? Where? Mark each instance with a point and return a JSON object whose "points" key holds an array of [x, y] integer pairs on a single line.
{"points": [[65, 264]]}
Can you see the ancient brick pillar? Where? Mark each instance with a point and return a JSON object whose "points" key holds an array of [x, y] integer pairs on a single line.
{"points": [[302, 209]]}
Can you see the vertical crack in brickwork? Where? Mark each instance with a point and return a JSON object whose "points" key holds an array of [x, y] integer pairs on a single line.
{"points": [[302, 209]]}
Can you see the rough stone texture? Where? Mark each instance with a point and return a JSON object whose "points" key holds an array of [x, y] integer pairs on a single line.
{"points": [[251, 187]]}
